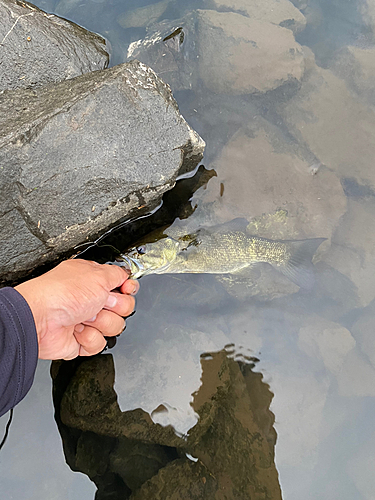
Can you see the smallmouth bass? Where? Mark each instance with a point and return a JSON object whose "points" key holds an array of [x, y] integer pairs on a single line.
{"points": [[223, 249]]}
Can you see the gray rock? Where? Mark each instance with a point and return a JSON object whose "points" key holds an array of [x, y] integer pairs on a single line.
{"points": [[79, 155], [39, 48], [170, 49]]}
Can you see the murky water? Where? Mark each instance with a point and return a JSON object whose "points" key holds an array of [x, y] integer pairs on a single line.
{"points": [[284, 97]]}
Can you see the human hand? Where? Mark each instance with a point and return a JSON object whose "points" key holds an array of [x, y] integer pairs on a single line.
{"points": [[74, 307]]}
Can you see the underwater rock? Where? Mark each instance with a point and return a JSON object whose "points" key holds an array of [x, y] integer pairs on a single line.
{"points": [[363, 331], [335, 125], [230, 53], [327, 341], [357, 377], [143, 16], [357, 66], [171, 50], [279, 12], [273, 188], [39, 48], [367, 10], [353, 247], [239, 55], [79, 155]]}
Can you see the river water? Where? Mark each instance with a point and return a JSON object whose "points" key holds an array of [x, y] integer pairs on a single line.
{"points": [[283, 94]]}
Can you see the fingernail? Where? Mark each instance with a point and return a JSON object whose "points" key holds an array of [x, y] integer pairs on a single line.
{"points": [[111, 301], [79, 328], [91, 319], [136, 288]]}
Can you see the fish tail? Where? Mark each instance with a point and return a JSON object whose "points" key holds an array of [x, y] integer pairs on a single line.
{"points": [[299, 267]]}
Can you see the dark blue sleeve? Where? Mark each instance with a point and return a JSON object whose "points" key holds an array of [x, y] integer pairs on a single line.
{"points": [[18, 348]]}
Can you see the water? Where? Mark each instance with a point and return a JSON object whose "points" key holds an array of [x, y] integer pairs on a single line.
{"points": [[297, 161]]}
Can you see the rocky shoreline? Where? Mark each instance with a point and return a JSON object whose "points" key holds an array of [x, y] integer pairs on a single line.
{"points": [[77, 153]]}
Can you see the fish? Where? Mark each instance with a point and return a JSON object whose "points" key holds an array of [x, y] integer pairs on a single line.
{"points": [[223, 249]]}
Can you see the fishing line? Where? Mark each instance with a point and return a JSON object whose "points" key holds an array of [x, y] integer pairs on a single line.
{"points": [[92, 244], [7, 429]]}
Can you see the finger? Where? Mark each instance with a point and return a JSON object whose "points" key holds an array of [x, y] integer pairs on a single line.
{"points": [[121, 304], [111, 276], [108, 323], [91, 341], [130, 287]]}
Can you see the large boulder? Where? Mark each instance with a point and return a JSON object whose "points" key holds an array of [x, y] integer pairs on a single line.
{"points": [[39, 48], [229, 52], [79, 155]]}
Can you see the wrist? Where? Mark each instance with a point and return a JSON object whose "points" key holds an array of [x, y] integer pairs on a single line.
{"points": [[36, 306]]}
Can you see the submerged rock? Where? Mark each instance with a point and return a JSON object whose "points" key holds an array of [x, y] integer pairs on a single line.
{"points": [[357, 66], [39, 48], [280, 12], [171, 50], [367, 10], [313, 115], [274, 188], [363, 331], [79, 155], [229, 52], [353, 247], [239, 55], [328, 341], [143, 16]]}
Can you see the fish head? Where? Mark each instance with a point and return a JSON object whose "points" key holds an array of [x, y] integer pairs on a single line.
{"points": [[151, 258]]}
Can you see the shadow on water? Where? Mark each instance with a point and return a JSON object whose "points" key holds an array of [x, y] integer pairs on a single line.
{"points": [[229, 453]]}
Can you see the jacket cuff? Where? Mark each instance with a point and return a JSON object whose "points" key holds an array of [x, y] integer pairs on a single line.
{"points": [[18, 348]]}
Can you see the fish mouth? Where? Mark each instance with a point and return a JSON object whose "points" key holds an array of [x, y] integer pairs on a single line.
{"points": [[133, 265]]}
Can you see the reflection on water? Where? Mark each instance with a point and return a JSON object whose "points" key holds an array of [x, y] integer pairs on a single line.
{"points": [[228, 453], [283, 94]]}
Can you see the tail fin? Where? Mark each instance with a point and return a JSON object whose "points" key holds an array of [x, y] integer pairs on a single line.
{"points": [[299, 267]]}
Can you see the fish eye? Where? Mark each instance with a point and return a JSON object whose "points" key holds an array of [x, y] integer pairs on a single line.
{"points": [[141, 250]]}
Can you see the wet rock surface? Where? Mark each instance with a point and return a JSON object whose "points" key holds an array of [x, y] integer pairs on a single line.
{"points": [[231, 448], [38, 48], [171, 49], [79, 155]]}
